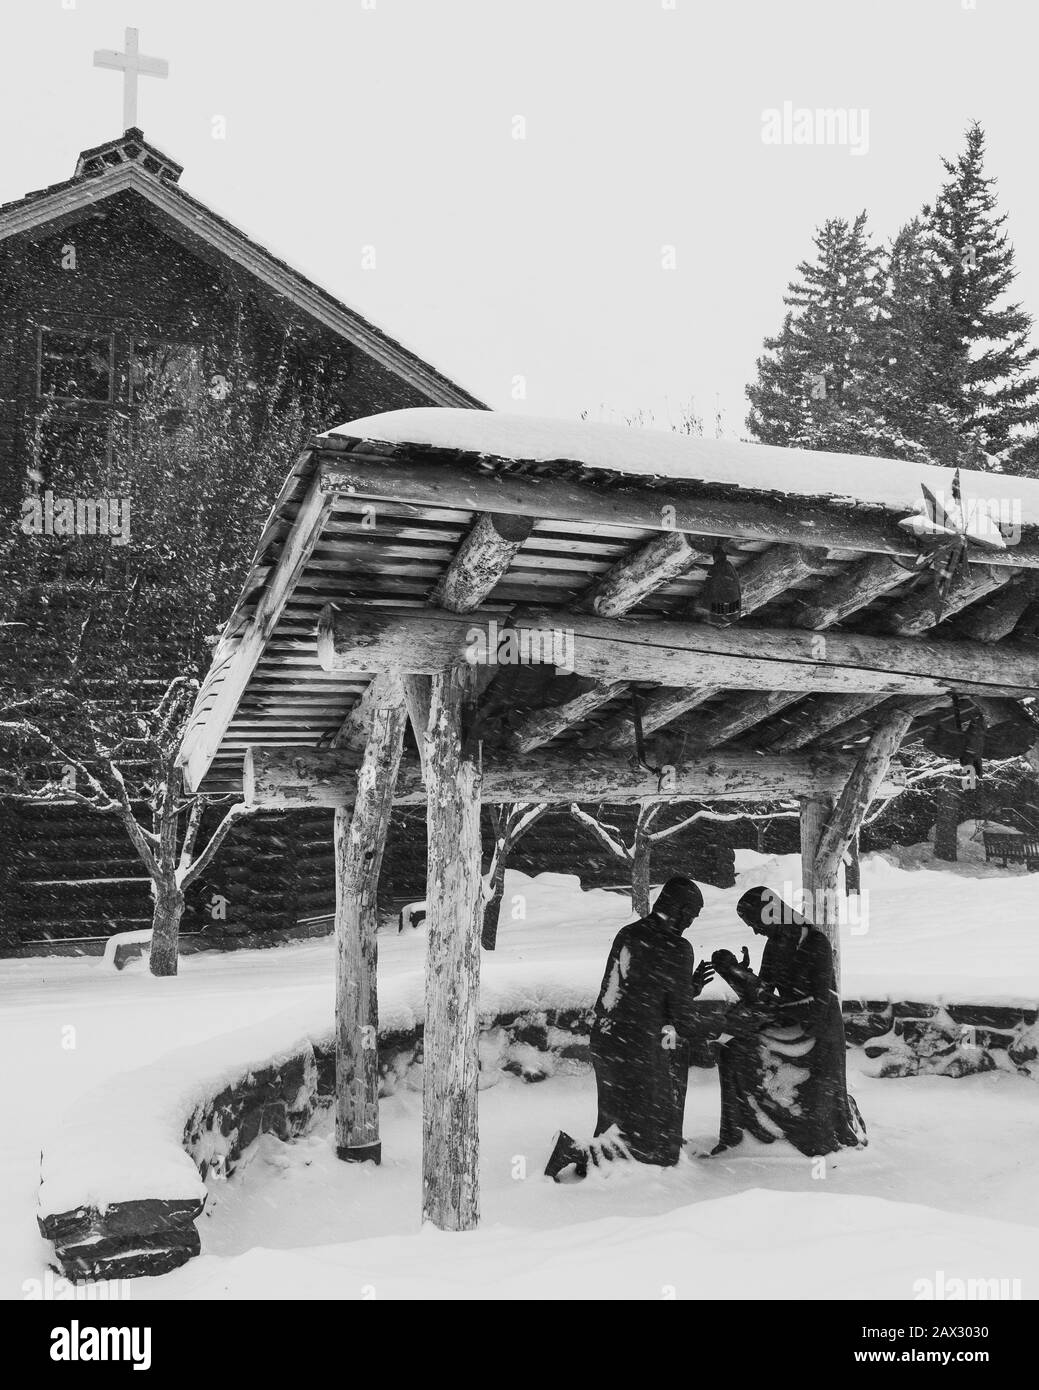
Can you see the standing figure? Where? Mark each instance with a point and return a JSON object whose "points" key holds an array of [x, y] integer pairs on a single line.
{"points": [[782, 1070], [643, 1014]]}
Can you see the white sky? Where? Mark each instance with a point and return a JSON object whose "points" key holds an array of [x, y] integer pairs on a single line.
{"points": [[392, 127]]}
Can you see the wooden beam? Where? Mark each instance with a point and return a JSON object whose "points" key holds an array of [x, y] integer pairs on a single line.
{"points": [[359, 841], [851, 591], [623, 586], [861, 726], [633, 578], [819, 522], [773, 572], [542, 725], [481, 561], [917, 612], [996, 619], [278, 778], [776, 571], [818, 715], [741, 712], [226, 682], [454, 898], [762, 578], [693, 654], [658, 710]]}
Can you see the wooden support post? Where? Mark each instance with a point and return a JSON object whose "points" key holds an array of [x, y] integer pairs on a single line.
{"points": [[416, 694], [359, 841], [852, 869], [820, 890], [454, 912], [845, 820]]}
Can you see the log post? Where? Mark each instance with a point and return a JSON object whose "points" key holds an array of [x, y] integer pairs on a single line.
{"points": [[845, 821], [820, 891], [852, 869], [416, 694], [359, 841], [450, 1138]]}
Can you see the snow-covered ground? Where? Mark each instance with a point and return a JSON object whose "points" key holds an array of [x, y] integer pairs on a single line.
{"points": [[946, 1184]]}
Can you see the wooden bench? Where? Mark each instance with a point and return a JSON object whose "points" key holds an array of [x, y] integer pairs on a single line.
{"points": [[1015, 849]]}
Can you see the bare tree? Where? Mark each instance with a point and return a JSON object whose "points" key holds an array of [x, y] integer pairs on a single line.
{"points": [[122, 764], [511, 822], [635, 851]]}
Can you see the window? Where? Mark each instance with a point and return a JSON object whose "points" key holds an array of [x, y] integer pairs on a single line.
{"points": [[67, 447], [168, 373], [75, 366]]}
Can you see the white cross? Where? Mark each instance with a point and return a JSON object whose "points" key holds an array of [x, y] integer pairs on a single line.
{"points": [[130, 64]]}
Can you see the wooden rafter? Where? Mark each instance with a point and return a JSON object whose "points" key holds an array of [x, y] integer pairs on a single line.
{"points": [[481, 560], [996, 619], [919, 611], [664, 558], [850, 592], [761, 579]]}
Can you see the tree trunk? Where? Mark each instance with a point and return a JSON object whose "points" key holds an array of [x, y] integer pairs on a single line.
{"points": [[166, 914], [947, 823], [454, 898], [492, 910]]}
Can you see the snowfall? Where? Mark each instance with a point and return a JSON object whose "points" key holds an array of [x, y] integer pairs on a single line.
{"points": [[945, 1190]]}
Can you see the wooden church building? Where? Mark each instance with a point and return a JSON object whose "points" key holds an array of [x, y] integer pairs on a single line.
{"points": [[112, 280]]}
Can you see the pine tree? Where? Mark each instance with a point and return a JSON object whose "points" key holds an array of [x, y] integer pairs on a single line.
{"points": [[902, 390], [984, 376], [812, 385]]}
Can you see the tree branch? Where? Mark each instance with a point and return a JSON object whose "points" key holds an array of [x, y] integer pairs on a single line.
{"points": [[188, 875]]}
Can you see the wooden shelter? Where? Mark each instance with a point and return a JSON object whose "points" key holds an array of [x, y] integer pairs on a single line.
{"points": [[451, 606]]}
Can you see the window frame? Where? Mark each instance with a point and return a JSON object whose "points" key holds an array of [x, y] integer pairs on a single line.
{"points": [[134, 400], [86, 334]]}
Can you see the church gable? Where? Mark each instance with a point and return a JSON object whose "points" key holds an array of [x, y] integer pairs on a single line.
{"points": [[130, 185], [118, 273]]}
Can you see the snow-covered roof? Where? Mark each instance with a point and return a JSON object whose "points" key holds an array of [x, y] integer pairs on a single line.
{"points": [[891, 484]]}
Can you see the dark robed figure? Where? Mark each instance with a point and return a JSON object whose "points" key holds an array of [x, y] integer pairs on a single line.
{"points": [[782, 1070], [642, 1016]]}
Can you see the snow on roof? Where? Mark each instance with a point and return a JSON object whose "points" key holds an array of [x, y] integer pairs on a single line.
{"points": [[893, 484]]}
